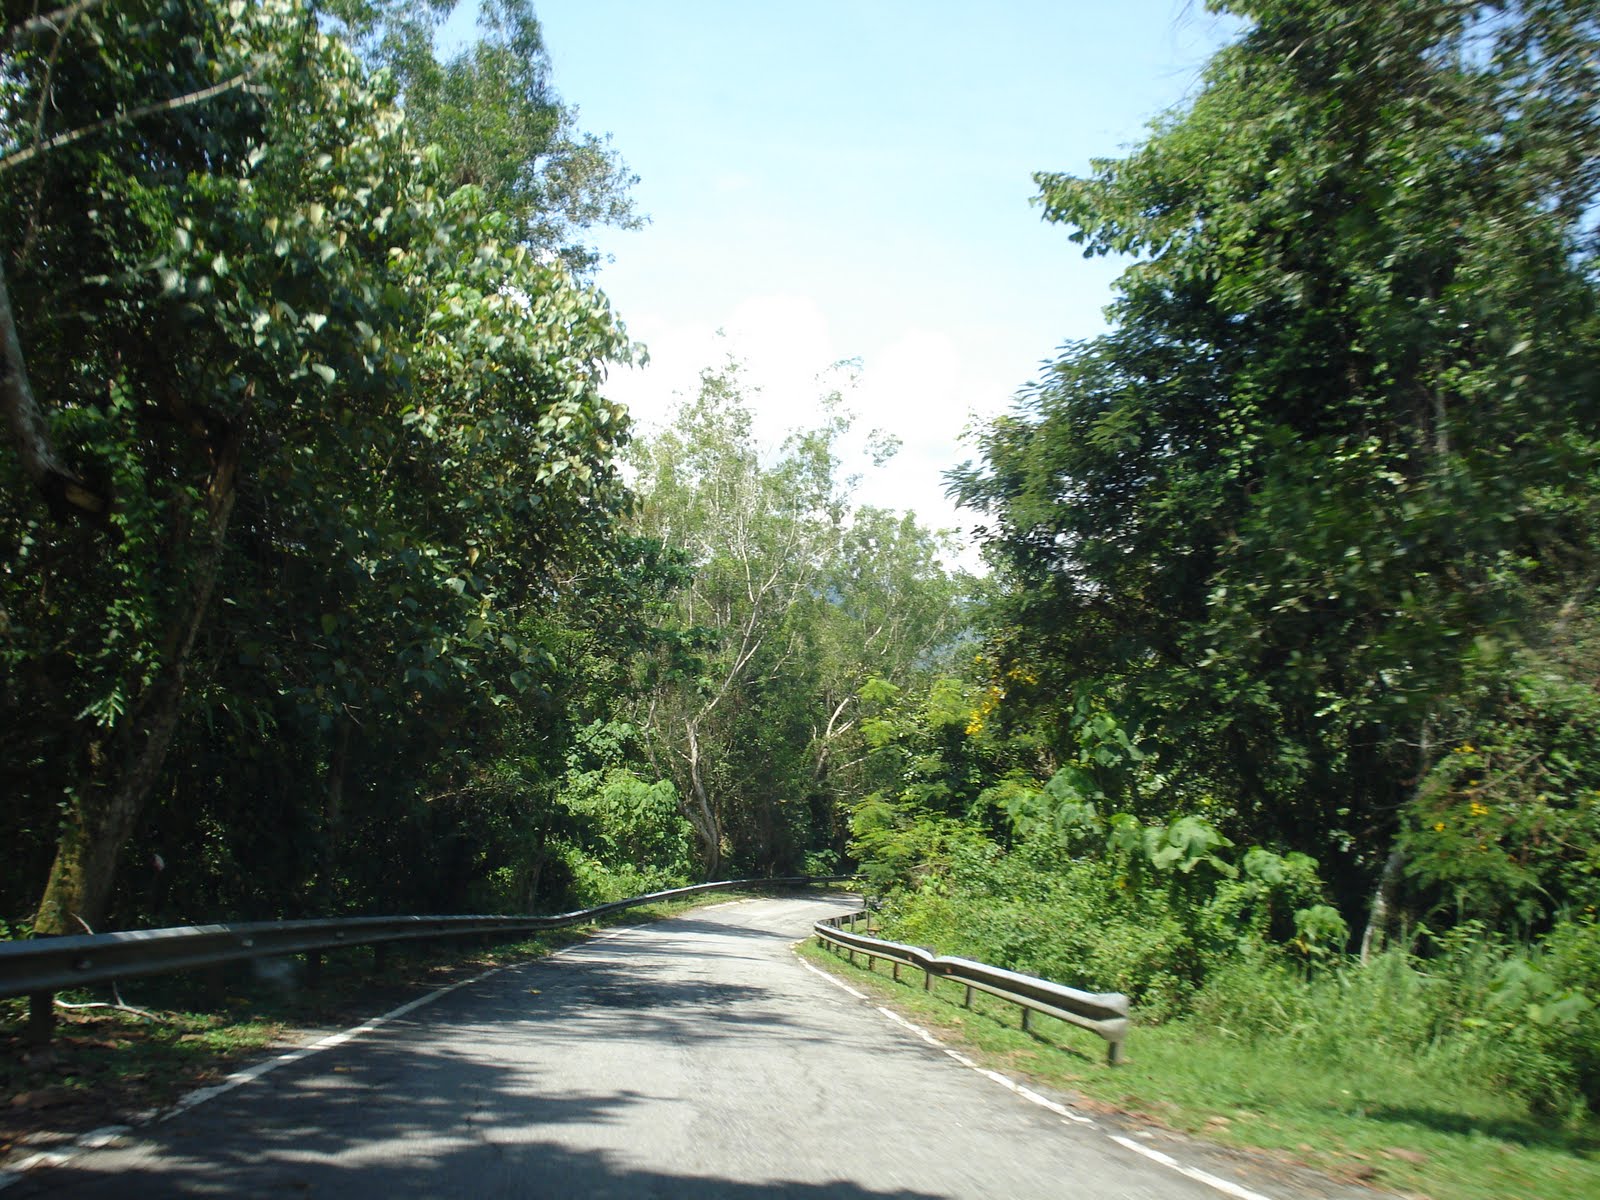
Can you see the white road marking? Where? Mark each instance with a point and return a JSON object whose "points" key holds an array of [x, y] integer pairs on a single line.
{"points": [[1166, 1160], [838, 983], [97, 1138]]}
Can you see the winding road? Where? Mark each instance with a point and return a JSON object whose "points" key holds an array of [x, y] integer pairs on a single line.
{"points": [[693, 1057]]}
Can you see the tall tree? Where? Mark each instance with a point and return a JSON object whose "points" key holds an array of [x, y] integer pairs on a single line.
{"points": [[795, 597], [1342, 437], [758, 537], [492, 115], [242, 299], [890, 610]]}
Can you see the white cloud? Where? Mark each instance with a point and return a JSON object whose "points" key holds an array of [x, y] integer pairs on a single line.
{"points": [[920, 386], [782, 340]]}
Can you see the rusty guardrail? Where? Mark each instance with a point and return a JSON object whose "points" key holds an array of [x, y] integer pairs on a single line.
{"points": [[1103, 1013]]}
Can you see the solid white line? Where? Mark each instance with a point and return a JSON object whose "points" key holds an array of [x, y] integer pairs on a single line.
{"points": [[1205, 1177], [249, 1074], [1061, 1110], [97, 1138], [916, 1029], [838, 983], [93, 1140]]}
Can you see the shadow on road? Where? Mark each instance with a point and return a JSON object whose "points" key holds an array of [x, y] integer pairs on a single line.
{"points": [[449, 1102], [481, 1172]]}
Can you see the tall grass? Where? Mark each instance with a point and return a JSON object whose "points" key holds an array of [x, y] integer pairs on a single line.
{"points": [[1462, 1008]]}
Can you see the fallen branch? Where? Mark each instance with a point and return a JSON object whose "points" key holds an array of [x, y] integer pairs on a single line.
{"points": [[116, 993]]}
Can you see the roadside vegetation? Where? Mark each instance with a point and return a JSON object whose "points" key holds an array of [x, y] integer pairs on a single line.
{"points": [[333, 582], [1358, 1111], [1284, 714], [322, 590]]}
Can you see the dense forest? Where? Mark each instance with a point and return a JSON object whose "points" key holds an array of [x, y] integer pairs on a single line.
{"points": [[333, 582], [323, 588]]}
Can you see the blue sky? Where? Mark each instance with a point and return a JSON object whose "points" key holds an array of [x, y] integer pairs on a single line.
{"points": [[852, 181]]}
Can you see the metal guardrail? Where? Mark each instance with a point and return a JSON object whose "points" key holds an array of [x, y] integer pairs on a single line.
{"points": [[1104, 1013], [46, 965]]}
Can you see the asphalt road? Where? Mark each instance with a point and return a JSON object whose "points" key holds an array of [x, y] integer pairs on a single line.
{"points": [[694, 1057]]}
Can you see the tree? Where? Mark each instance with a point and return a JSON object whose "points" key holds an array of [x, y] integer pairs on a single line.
{"points": [[495, 120], [889, 611], [267, 339], [758, 538], [1341, 436], [794, 597]]}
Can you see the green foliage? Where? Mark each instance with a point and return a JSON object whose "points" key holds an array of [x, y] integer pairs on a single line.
{"points": [[628, 822], [1507, 825], [1259, 959], [1475, 1008], [794, 599], [493, 119], [1299, 558], [1343, 427], [359, 473]]}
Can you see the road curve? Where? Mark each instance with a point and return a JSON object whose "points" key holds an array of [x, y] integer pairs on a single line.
{"points": [[694, 1057]]}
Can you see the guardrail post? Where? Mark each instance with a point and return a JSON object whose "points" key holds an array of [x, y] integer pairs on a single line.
{"points": [[313, 968], [380, 956], [41, 1018], [967, 1003], [1114, 1054], [1026, 1013], [927, 981], [896, 967]]}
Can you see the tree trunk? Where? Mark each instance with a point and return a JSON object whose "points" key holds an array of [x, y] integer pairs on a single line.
{"points": [[1384, 895], [1383, 903], [700, 813], [333, 817], [63, 491], [106, 808]]}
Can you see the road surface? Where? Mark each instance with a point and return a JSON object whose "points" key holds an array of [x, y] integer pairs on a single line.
{"points": [[694, 1057]]}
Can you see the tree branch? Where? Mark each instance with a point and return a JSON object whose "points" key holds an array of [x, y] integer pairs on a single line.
{"points": [[49, 22], [116, 120]]}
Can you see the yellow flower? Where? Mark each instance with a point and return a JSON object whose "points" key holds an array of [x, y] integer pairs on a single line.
{"points": [[1438, 827], [1466, 748]]}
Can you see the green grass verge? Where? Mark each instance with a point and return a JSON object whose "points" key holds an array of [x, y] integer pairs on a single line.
{"points": [[1374, 1119], [107, 1066]]}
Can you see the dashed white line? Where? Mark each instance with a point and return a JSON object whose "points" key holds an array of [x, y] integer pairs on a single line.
{"points": [[1061, 1110]]}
